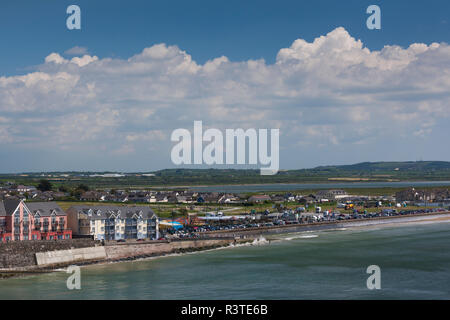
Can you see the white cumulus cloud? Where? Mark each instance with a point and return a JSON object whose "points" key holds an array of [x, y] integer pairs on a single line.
{"points": [[331, 92]]}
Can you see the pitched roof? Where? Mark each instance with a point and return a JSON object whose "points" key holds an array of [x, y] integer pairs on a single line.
{"points": [[45, 208], [7, 207], [104, 211]]}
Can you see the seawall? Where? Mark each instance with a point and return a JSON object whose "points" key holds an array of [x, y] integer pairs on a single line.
{"points": [[35, 256], [142, 250], [50, 258], [23, 253]]}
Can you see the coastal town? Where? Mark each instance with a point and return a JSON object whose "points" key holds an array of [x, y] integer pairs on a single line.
{"points": [[33, 213], [215, 159]]}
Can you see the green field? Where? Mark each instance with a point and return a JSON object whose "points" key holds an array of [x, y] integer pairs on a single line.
{"points": [[361, 172]]}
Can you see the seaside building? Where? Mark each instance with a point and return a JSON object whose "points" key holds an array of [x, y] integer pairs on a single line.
{"points": [[259, 198], [424, 195], [21, 221], [113, 222], [331, 194]]}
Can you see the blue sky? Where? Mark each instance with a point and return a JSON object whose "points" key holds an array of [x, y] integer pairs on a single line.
{"points": [[103, 112], [240, 30]]}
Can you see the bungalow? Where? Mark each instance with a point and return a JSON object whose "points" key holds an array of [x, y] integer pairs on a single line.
{"points": [[182, 199], [141, 197], [278, 198], [212, 197], [307, 199], [331, 194], [161, 198], [91, 196], [228, 198], [22, 189], [259, 198]]}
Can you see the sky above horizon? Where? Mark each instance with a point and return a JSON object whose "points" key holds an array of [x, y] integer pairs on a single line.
{"points": [[108, 96]]}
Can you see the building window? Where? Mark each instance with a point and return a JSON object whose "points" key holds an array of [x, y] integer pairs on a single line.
{"points": [[17, 218]]}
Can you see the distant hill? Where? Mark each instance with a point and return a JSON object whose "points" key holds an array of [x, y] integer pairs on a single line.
{"points": [[365, 171], [363, 167], [391, 166]]}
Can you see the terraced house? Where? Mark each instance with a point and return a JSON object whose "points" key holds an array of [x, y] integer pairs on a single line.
{"points": [[21, 221], [113, 222]]}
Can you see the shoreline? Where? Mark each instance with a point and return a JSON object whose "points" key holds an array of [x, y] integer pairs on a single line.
{"points": [[250, 239], [327, 225]]}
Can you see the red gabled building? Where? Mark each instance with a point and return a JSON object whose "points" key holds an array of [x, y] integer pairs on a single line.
{"points": [[32, 221]]}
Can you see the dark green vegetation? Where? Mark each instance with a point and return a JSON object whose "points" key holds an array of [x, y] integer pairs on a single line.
{"points": [[44, 185], [363, 172]]}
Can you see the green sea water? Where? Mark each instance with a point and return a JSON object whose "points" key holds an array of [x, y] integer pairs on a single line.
{"points": [[414, 262]]}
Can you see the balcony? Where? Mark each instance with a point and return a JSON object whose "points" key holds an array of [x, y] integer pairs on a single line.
{"points": [[133, 224]]}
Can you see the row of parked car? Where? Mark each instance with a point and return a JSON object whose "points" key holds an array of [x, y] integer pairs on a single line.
{"points": [[383, 213], [192, 232]]}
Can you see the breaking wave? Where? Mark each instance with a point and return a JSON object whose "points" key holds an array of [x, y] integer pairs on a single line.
{"points": [[301, 237]]}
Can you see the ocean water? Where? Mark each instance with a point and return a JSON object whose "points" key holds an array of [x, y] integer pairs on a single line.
{"points": [[414, 262]]}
